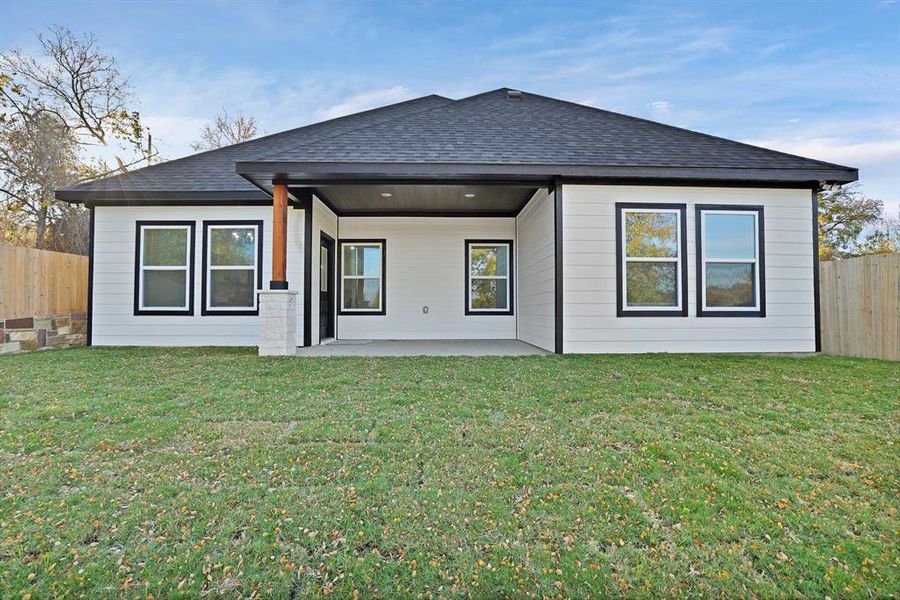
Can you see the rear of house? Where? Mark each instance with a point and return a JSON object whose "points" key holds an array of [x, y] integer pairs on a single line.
{"points": [[506, 215]]}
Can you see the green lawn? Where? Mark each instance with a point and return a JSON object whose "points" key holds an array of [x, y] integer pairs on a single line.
{"points": [[137, 472]]}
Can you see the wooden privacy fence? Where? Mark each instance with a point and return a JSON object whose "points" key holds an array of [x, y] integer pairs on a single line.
{"points": [[38, 283], [860, 303]]}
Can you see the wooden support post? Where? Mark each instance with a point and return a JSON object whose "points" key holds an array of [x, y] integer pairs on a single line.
{"points": [[279, 238]]}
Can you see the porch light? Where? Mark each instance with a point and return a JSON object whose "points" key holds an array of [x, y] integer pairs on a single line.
{"points": [[386, 194], [470, 195]]}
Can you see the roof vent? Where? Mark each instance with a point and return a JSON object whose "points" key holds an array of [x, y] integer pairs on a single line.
{"points": [[513, 94]]}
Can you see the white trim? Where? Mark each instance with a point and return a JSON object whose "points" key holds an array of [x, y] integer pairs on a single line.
{"points": [[209, 267], [472, 277], [379, 277], [188, 243], [677, 259], [754, 261]]}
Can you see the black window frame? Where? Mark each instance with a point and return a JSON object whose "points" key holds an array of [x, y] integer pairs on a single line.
{"points": [[512, 286], [761, 260], [621, 310], [136, 284], [230, 312], [339, 275]]}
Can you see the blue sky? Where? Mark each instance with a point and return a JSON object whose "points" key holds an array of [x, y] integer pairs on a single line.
{"points": [[820, 79]]}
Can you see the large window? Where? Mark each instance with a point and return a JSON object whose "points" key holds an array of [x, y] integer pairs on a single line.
{"points": [[730, 261], [164, 264], [489, 280], [651, 249], [232, 274], [362, 266]]}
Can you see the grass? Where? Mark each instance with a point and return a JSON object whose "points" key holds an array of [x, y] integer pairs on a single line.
{"points": [[139, 472]]}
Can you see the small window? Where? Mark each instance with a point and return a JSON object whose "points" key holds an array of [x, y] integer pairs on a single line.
{"points": [[651, 249], [489, 269], [362, 277], [164, 268], [730, 261], [232, 255]]}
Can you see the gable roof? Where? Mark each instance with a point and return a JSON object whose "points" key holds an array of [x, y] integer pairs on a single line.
{"points": [[488, 134]]}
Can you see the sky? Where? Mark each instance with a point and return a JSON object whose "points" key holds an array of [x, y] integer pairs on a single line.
{"points": [[819, 79]]}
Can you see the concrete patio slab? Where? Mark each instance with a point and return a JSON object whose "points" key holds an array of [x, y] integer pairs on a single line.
{"points": [[422, 348]]}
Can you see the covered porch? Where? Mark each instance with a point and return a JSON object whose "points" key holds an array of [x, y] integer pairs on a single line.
{"points": [[404, 267]]}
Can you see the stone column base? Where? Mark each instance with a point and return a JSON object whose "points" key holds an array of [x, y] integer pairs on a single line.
{"points": [[277, 322]]}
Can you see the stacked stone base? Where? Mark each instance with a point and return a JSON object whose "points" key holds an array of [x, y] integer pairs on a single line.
{"points": [[277, 323], [41, 333]]}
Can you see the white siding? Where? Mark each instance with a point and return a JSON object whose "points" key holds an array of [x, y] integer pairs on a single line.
{"points": [[589, 270], [114, 321], [535, 270], [426, 267], [323, 220]]}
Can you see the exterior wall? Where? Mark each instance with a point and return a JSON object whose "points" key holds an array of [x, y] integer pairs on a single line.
{"points": [[589, 270], [536, 272], [426, 267], [114, 322], [323, 221]]}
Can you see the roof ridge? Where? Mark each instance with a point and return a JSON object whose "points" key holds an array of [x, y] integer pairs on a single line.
{"points": [[259, 139], [685, 130]]}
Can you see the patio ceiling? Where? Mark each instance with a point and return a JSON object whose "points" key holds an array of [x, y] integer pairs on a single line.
{"points": [[403, 199]]}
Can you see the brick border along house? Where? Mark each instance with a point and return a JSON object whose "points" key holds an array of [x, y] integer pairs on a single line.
{"points": [[505, 215]]}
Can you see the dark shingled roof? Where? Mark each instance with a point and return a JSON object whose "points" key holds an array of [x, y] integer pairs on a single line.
{"points": [[531, 135]]}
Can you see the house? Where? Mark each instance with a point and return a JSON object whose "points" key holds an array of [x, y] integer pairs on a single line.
{"points": [[504, 215]]}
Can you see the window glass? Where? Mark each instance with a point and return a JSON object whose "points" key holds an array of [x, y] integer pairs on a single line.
{"points": [[730, 284], [488, 260], [232, 288], [164, 289], [323, 269], [488, 294], [165, 247], [730, 235], [233, 246], [362, 260], [362, 294], [652, 284], [651, 234]]}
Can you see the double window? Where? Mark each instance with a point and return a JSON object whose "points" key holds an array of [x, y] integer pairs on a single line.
{"points": [[730, 261], [651, 265], [362, 269], [489, 280], [232, 259], [164, 268]]}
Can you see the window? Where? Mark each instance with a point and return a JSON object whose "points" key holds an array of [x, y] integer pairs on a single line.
{"points": [[650, 260], [164, 265], [362, 266], [232, 255], [489, 271], [730, 261]]}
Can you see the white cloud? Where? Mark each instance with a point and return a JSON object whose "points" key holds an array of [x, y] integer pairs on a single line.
{"points": [[365, 101]]}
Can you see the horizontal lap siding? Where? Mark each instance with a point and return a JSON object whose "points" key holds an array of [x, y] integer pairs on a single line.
{"points": [[590, 287], [536, 286], [114, 321], [426, 267]]}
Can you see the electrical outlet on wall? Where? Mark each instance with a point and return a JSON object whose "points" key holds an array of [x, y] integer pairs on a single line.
{"points": [[425, 310]]}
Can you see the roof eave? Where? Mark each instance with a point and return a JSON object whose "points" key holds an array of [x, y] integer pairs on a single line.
{"points": [[162, 197], [264, 172]]}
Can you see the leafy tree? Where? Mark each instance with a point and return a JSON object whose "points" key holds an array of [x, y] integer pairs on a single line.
{"points": [[54, 109], [843, 215], [226, 130]]}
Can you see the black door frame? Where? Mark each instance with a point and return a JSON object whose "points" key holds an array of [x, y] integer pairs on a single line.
{"points": [[328, 242]]}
